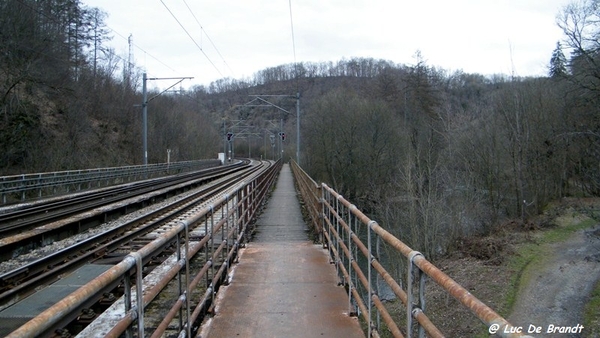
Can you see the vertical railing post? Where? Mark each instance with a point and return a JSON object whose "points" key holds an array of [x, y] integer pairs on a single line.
{"points": [[317, 202], [409, 291], [239, 212], [225, 252], [179, 280], [370, 287], [246, 197], [212, 249], [409, 300], [187, 282], [207, 258], [324, 220], [139, 293], [255, 195], [378, 278], [350, 259], [127, 301], [225, 216], [422, 279]]}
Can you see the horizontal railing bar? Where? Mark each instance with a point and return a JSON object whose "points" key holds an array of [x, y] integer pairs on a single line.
{"points": [[48, 318], [320, 209]]}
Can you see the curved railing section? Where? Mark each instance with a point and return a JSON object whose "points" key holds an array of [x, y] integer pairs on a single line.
{"points": [[344, 229]]}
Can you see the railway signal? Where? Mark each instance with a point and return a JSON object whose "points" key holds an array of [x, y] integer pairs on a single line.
{"points": [[229, 136], [282, 135]]}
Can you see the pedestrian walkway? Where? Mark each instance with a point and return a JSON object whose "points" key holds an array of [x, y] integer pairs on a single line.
{"points": [[283, 285]]}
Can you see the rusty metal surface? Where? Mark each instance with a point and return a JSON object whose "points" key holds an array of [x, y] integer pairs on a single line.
{"points": [[480, 309], [53, 315], [18, 314], [284, 285]]}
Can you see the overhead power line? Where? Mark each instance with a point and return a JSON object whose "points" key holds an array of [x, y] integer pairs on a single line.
{"points": [[141, 49], [208, 37], [294, 45], [292, 25], [190, 36]]}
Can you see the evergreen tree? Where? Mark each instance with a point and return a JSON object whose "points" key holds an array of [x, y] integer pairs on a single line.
{"points": [[558, 62]]}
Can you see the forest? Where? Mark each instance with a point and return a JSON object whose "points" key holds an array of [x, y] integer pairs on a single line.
{"points": [[435, 156]]}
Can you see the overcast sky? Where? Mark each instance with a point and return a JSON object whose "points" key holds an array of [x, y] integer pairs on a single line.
{"points": [[476, 36]]}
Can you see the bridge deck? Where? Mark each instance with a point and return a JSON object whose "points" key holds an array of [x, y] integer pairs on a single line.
{"points": [[283, 285]]}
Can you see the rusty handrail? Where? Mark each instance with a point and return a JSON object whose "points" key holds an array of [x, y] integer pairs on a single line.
{"points": [[249, 199], [311, 194], [336, 216], [481, 310]]}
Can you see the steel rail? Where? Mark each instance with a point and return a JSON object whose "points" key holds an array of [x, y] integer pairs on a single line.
{"points": [[31, 215], [19, 210], [39, 181], [149, 294], [78, 222], [50, 317], [89, 249]]}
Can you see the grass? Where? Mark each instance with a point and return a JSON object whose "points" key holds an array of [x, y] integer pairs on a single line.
{"points": [[591, 313], [532, 256]]}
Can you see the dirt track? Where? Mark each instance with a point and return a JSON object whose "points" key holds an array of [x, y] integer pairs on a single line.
{"points": [[559, 288]]}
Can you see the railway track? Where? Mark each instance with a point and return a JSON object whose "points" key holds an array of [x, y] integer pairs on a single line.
{"points": [[112, 247], [30, 226]]}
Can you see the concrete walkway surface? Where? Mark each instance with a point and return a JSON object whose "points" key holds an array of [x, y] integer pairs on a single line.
{"points": [[283, 285]]}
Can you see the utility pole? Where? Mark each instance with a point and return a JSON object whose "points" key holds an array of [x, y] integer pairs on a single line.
{"points": [[145, 118], [145, 107]]}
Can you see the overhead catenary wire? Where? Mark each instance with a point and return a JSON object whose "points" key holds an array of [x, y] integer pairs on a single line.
{"points": [[209, 39], [141, 49], [190, 36], [294, 46]]}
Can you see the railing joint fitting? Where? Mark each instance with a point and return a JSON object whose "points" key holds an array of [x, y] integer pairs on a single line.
{"points": [[412, 255], [416, 310]]}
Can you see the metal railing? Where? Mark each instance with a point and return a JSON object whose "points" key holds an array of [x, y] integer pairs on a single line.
{"points": [[343, 229], [311, 196], [21, 187], [225, 222]]}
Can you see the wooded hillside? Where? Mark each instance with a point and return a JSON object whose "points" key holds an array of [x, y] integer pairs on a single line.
{"points": [[433, 155]]}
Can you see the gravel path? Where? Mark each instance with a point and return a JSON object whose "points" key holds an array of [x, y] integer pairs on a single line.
{"points": [[560, 287]]}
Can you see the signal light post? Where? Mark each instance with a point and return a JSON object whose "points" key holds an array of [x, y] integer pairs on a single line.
{"points": [[230, 144]]}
